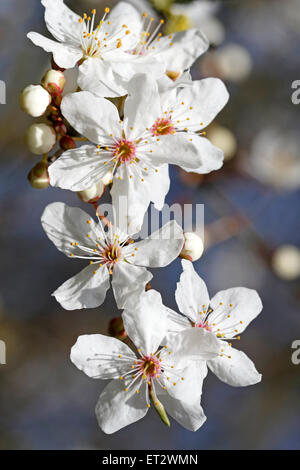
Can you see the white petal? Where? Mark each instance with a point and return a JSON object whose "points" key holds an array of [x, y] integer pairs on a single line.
{"points": [[98, 76], [176, 322], [193, 344], [145, 321], [93, 117], [85, 290], [62, 22], [190, 415], [206, 98], [161, 248], [189, 151], [66, 226], [124, 13], [128, 282], [116, 408], [142, 106], [132, 196], [187, 47], [191, 293], [187, 383], [237, 371], [234, 309], [65, 55], [98, 356], [79, 169]]}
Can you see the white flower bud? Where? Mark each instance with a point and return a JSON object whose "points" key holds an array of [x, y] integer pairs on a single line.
{"points": [[54, 81], [193, 247], [92, 194], [40, 138], [286, 262], [235, 62], [224, 139], [34, 100], [107, 178]]}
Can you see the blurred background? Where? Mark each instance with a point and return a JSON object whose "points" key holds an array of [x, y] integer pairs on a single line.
{"points": [[252, 217]]}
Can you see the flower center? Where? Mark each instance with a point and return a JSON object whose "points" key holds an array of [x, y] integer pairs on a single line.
{"points": [[150, 367], [203, 324], [124, 151], [94, 42], [111, 254], [162, 126]]}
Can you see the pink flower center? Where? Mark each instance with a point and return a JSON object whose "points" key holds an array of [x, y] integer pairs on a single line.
{"points": [[150, 367], [203, 324], [111, 254], [162, 126], [124, 151]]}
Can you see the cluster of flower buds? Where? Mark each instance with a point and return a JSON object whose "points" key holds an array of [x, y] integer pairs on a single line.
{"points": [[42, 137]]}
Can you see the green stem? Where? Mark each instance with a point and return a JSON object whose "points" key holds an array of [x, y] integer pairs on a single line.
{"points": [[159, 407]]}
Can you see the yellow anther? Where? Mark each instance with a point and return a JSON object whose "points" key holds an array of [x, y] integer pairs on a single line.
{"points": [[121, 378], [94, 11], [125, 389], [174, 383], [107, 10], [137, 391], [88, 221], [182, 378], [162, 21], [120, 355], [148, 405]]}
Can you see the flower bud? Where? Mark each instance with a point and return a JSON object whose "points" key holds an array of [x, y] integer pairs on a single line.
{"points": [[92, 194], [67, 143], [224, 139], [59, 127], [192, 248], [116, 328], [286, 262], [40, 138], [38, 177], [107, 178], [34, 100], [54, 81]]}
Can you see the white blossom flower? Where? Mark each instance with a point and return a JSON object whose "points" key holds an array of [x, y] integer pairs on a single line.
{"points": [[102, 45], [156, 131], [152, 53], [171, 374], [74, 233], [225, 316]]}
